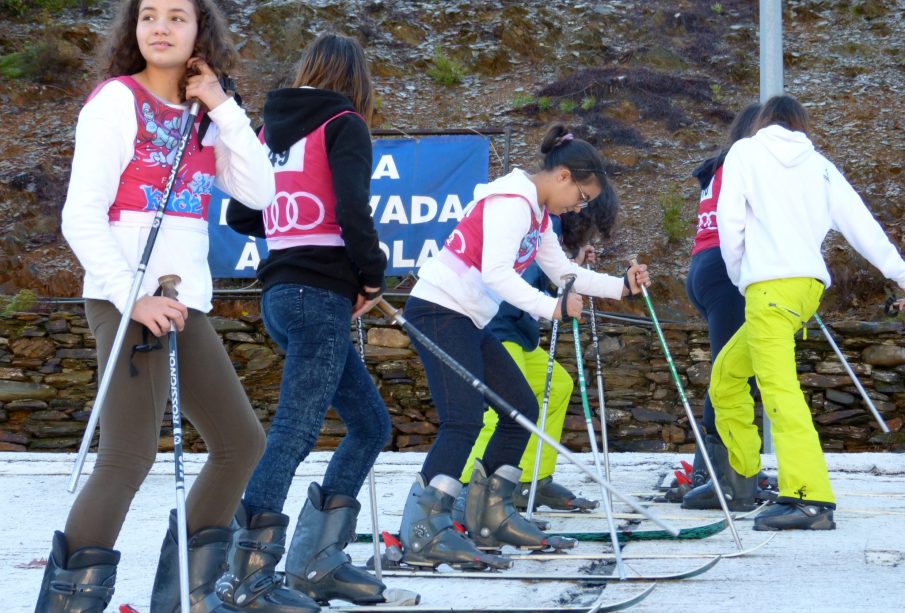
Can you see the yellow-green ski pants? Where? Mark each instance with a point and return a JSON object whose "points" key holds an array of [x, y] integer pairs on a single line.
{"points": [[533, 365], [765, 347]]}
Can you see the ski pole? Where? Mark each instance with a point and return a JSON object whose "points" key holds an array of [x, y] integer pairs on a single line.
{"points": [[601, 402], [107, 377], [582, 385], [168, 290], [513, 414], [851, 373], [545, 406], [372, 484], [699, 440]]}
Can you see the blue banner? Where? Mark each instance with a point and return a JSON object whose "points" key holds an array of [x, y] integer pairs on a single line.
{"points": [[419, 191]]}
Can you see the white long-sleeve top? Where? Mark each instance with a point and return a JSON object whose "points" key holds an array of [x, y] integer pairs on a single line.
{"points": [[110, 251], [507, 219], [779, 199]]}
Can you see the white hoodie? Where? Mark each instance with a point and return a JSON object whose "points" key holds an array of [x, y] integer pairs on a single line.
{"points": [[110, 251], [477, 294], [778, 201]]}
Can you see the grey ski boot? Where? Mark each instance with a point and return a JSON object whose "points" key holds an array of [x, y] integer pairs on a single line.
{"points": [[77, 582], [739, 491], [429, 536], [251, 583], [208, 550], [316, 564], [794, 514], [553, 495], [491, 518]]}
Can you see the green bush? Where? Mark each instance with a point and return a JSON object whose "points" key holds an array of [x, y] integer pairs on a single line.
{"points": [[520, 101], [588, 103], [544, 103], [25, 300], [567, 105], [445, 70], [49, 61], [672, 204]]}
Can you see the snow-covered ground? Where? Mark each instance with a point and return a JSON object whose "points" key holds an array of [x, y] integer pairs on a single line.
{"points": [[858, 567]]}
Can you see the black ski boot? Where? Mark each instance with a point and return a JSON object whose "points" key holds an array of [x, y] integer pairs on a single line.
{"points": [[795, 514], [316, 564], [251, 583], [739, 491], [77, 582], [687, 480], [551, 494], [492, 519], [429, 536], [208, 550]]}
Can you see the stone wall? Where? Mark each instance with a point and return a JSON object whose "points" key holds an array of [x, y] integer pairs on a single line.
{"points": [[48, 382]]}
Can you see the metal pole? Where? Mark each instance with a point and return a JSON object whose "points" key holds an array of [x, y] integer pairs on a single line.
{"points": [[771, 84], [372, 484], [607, 505], [699, 440], [601, 402], [513, 414], [532, 490], [851, 373], [168, 285]]}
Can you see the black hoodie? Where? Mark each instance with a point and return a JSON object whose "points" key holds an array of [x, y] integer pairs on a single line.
{"points": [[289, 116]]}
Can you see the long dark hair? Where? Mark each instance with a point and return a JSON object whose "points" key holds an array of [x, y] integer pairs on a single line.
{"points": [[741, 127], [598, 219], [560, 148], [338, 63], [784, 111], [121, 55]]}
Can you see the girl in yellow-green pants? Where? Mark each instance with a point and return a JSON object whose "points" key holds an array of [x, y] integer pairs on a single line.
{"points": [[779, 199]]}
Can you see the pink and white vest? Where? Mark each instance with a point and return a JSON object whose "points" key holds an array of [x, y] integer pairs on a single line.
{"points": [[465, 244], [303, 212], [143, 181]]}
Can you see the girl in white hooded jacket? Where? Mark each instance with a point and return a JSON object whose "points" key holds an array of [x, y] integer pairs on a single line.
{"points": [[779, 199]]}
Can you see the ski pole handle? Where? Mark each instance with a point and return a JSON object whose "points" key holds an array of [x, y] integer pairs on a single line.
{"points": [[891, 308], [168, 285]]}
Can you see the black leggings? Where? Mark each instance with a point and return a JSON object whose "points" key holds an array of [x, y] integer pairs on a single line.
{"points": [[459, 405]]}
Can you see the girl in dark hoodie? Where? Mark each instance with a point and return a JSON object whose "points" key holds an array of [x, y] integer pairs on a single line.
{"points": [[325, 268]]}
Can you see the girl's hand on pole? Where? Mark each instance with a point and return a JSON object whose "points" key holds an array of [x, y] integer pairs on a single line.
{"points": [[637, 277], [156, 312], [363, 304], [204, 85], [574, 306], [586, 255]]}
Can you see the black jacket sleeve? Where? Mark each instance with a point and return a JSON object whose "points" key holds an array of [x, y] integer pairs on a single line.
{"points": [[244, 220], [349, 154]]}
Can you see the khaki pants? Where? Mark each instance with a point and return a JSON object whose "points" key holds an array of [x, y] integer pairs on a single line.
{"points": [[765, 348], [212, 399]]}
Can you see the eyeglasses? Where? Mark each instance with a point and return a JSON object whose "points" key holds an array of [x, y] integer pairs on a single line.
{"points": [[583, 198]]}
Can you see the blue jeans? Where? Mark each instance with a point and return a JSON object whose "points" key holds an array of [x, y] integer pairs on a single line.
{"points": [[720, 303], [459, 405], [322, 368]]}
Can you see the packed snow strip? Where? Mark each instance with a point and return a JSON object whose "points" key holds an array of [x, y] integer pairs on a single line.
{"points": [[841, 570]]}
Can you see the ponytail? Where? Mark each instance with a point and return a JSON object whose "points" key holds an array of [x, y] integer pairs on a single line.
{"points": [[561, 148]]}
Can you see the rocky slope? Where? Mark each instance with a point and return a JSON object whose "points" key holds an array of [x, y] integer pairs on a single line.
{"points": [[653, 83]]}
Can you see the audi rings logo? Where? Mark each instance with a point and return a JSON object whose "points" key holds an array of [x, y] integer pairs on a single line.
{"points": [[296, 211], [706, 220]]}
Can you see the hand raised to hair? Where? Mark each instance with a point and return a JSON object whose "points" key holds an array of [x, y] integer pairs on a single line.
{"points": [[156, 313], [204, 85]]}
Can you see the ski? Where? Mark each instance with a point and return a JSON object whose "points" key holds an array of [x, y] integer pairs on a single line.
{"points": [[625, 535], [596, 607], [540, 557], [566, 577]]}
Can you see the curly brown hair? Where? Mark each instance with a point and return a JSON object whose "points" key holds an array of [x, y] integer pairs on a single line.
{"points": [[121, 55]]}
